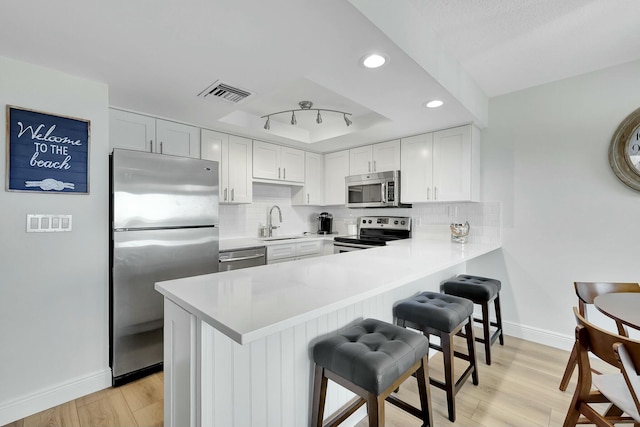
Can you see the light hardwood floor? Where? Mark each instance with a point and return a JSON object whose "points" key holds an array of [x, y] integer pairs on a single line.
{"points": [[520, 388]]}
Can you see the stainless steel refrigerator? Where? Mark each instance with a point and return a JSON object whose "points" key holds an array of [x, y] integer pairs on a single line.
{"points": [[164, 219]]}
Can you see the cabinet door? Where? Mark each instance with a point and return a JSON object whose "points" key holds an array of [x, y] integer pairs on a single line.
{"points": [[313, 191], [239, 160], [336, 168], [416, 169], [452, 164], [131, 131], [285, 252], [361, 160], [211, 147], [177, 139], [266, 160], [292, 164], [307, 249], [386, 156]]}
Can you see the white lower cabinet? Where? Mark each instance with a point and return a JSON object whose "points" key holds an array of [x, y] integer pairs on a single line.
{"points": [[293, 251]]}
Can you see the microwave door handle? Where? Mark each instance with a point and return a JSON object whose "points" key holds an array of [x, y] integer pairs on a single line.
{"points": [[383, 187]]}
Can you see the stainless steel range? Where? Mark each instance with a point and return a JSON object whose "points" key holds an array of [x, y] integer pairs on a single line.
{"points": [[374, 231]]}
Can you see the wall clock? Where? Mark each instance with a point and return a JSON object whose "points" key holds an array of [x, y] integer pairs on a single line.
{"points": [[624, 151]]}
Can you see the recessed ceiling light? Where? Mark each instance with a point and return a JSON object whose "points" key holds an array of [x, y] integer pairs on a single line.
{"points": [[434, 104], [374, 60]]}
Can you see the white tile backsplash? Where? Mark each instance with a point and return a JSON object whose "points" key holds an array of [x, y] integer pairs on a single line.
{"points": [[429, 219]]}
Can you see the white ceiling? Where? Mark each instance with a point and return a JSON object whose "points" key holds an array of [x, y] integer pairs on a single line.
{"points": [[156, 56]]}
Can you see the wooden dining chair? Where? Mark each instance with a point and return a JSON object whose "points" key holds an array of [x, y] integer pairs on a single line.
{"points": [[621, 390], [587, 292]]}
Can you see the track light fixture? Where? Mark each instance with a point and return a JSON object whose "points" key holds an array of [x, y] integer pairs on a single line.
{"points": [[306, 106]]}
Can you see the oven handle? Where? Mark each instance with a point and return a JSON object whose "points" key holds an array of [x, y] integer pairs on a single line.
{"points": [[351, 245]]}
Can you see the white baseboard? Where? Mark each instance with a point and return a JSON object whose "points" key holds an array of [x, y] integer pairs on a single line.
{"points": [[28, 405], [537, 335]]}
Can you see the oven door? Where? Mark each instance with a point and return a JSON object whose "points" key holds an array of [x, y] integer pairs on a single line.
{"points": [[339, 247]]}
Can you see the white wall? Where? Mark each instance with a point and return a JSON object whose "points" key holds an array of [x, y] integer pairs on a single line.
{"points": [[566, 216], [54, 286]]}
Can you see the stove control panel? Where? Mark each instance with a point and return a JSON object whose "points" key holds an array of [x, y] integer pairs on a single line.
{"points": [[389, 222]]}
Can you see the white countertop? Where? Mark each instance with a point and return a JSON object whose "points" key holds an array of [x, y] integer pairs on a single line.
{"points": [[252, 242], [252, 303]]}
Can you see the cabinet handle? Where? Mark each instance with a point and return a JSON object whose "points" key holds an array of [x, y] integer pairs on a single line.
{"points": [[225, 194], [428, 193], [278, 173], [435, 193], [369, 165], [374, 166], [151, 145], [284, 173], [233, 194], [307, 198], [161, 148]]}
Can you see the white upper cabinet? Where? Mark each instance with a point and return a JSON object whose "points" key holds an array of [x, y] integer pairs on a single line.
{"points": [[416, 174], [234, 154], [240, 165], [145, 133], [177, 139], [131, 131], [277, 163], [381, 157], [336, 168], [441, 166], [313, 191]]}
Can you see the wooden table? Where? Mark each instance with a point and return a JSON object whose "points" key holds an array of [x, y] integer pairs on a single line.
{"points": [[621, 306]]}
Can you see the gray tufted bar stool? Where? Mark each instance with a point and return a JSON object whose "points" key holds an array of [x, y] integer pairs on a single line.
{"points": [[444, 316], [482, 291], [372, 359]]}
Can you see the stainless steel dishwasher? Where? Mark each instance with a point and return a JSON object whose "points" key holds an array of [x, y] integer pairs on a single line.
{"points": [[242, 258]]}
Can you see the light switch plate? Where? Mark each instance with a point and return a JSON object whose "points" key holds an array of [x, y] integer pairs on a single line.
{"points": [[46, 223]]}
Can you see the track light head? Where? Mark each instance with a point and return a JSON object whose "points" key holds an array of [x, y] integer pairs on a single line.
{"points": [[293, 118], [267, 124], [319, 118], [347, 121]]}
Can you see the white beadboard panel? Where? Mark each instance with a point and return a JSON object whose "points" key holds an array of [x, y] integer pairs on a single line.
{"points": [[207, 389], [288, 378], [268, 383], [223, 380], [241, 384], [274, 382], [259, 387]]}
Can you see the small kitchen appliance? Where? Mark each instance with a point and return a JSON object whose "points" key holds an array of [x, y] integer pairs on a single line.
{"points": [[374, 190], [374, 231], [325, 223]]}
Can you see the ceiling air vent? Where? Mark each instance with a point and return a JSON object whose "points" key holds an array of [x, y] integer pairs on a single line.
{"points": [[224, 92]]}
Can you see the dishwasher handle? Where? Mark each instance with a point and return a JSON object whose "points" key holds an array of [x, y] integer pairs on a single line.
{"points": [[243, 258]]}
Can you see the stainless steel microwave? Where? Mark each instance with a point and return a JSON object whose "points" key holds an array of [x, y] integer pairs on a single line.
{"points": [[373, 190]]}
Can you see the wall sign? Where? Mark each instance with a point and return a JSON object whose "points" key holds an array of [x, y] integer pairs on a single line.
{"points": [[46, 153]]}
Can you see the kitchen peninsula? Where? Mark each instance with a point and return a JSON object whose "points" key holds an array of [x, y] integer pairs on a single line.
{"points": [[237, 343]]}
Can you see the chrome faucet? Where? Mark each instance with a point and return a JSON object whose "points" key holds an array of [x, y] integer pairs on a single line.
{"points": [[270, 226]]}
